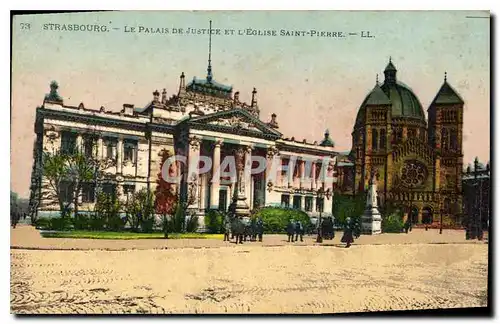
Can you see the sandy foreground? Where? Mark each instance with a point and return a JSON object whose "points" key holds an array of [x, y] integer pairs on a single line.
{"points": [[250, 279]]}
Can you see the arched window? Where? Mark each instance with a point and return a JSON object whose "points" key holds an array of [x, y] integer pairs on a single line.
{"points": [[375, 139], [453, 139], [382, 139], [444, 139], [412, 133], [446, 206]]}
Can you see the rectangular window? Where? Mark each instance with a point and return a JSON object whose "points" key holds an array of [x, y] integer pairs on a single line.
{"points": [[109, 189], [88, 192], [297, 202], [66, 191], [308, 202], [222, 199], [129, 150], [111, 149], [88, 147], [68, 142], [319, 204], [285, 201], [129, 189]]}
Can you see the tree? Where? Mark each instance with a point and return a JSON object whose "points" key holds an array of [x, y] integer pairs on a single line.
{"points": [[167, 200], [65, 174], [166, 196], [348, 206], [140, 212]]}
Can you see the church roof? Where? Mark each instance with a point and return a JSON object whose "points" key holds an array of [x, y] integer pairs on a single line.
{"points": [[390, 67], [204, 85], [327, 141], [447, 95], [377, 97]]}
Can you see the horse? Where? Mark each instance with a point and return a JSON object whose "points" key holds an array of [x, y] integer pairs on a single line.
{"points": [[238, 229]]}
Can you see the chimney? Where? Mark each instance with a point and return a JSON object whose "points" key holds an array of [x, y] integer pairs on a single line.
{"points": [[128, 109], [164, 96]]}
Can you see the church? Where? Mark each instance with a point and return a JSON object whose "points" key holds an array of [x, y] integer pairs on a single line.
{"points": [[201, 119], [417, 162]]}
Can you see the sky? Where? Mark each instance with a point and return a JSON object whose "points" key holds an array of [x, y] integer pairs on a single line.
{"points": [[311, 83]]}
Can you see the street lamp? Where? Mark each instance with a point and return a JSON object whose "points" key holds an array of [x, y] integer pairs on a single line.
{"points": [[320, 194], [441, 218]]}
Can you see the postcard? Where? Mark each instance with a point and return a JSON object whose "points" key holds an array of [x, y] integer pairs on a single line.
{"points": [[250, 162]]}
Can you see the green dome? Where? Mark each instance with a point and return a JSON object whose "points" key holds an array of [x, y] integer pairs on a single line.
{"points": [[403, 102]]}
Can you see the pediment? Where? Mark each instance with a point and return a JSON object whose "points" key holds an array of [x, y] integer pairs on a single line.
{"points": [[234, 121]]}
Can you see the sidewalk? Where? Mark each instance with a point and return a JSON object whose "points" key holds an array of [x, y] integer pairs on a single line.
{"points": [[27, 237]]}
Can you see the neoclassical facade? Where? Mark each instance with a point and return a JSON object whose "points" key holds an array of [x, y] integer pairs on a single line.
{"points": [[202, 119], [418, 162]]}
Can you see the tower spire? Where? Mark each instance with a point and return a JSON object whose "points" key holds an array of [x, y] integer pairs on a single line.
{"points": [[445, 76], [209, 69], [376, 81]]}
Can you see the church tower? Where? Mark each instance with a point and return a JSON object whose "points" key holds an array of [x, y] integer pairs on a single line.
{"points": [[445, 136]]}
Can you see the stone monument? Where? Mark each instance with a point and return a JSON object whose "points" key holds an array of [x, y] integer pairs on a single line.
{"points": [[371, 221], [242, 208]]}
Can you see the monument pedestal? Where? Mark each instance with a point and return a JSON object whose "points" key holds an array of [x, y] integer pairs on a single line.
{"points": [[242, 208], [371, 221]]}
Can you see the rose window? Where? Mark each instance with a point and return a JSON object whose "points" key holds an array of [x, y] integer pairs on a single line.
{"points": [[413, 174]]}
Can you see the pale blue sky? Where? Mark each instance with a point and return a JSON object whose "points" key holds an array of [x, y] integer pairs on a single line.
{"points": [[311, 83]]}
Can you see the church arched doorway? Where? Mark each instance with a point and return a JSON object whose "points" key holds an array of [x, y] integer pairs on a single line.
{"points": [[414, 214], [427, 215]]}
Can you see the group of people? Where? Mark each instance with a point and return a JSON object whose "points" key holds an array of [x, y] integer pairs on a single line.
{"points": [[15, 217], [240, 229], [295, 231], [295, 228]]}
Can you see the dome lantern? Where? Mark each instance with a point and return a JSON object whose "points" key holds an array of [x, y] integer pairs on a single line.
{"points": [[390, 73]]}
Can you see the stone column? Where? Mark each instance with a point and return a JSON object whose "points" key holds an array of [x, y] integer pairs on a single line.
{"points": [[215, 182], [302, 203], [247, 173], [203, 190], [313, 176], [100, 148], [291, 168], [302, 174], [79, 142], [313, 205], [119, 158]]}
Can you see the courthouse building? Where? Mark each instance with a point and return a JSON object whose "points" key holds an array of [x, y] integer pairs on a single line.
{"points": [[202, 118]]}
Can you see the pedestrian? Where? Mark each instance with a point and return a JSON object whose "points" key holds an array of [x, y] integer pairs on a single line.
{"points": [[227, 227], [290, 229], [407, 226], [348, 233], [260, 228], [299, 231], [14, 219]]}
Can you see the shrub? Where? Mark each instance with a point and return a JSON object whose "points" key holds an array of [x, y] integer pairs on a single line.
{"points": [[393, 223], [179, 219], [60, 223], [147, 225], [192, 224], [96, 222], [275, 219], [81, 222], [347, 206], [42, 223], [214, 222]]}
